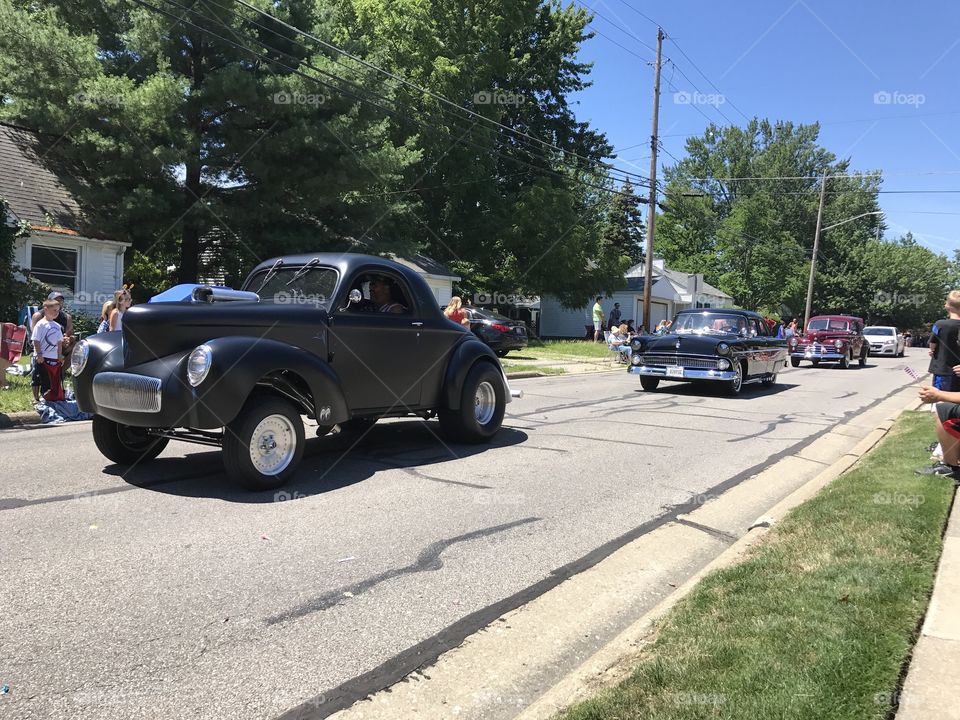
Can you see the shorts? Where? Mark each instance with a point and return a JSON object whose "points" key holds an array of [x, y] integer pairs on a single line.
{"points": [[39, 377], [947, 383], [949, 414], [597, 325]]}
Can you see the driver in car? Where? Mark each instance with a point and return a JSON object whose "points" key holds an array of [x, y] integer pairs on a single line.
{"points": [[382, 294]]}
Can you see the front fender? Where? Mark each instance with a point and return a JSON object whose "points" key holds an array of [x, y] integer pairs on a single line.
{"points": [[106, 354], [239, 363], [463, 357]]}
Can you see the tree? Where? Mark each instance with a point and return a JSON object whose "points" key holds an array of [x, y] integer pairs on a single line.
{"points": [[16, 289], [624, 227], [175, 128], [742, 207]]}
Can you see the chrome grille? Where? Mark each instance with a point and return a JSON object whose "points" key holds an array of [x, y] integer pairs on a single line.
{"points": [[125, 391], [699, 363]]}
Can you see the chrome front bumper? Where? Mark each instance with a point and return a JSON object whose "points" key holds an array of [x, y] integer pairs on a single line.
{"points": [[804, 355], [127, 392], [687, 373]]}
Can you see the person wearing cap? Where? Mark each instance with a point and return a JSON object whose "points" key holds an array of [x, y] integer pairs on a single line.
{"points": [[382, 295], [47, 338], [63, 319]]}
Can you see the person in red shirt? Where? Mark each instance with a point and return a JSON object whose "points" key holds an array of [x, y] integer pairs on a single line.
{"points": [[455, 311]]}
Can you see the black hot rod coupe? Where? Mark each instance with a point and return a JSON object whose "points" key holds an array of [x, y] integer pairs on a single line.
{"points": [[725, 346], [342, 339]]}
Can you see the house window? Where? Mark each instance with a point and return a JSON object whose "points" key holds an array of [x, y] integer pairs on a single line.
{"points": [[57, 267]]}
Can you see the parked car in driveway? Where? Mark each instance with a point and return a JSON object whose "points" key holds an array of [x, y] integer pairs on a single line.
{"points": [[499, 333], [341, 339], [885, 340], [731, 348], [831, 338]]}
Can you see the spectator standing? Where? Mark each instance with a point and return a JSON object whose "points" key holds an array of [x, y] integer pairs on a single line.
{"points": [[615, 316], [123, 302], [454, 311], [105, 313], [945, 346], [63, 319], [47, 340], [597, 320]]}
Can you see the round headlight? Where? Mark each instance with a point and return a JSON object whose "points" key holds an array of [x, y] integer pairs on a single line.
{"points": [[78, 358], [723, 348], [839, 343], [636, 359], [198, 364], [723, 364]]}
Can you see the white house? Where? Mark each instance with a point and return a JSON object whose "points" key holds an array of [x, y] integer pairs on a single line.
{"points": [[671, 291], [438, 276], [85, 269]]}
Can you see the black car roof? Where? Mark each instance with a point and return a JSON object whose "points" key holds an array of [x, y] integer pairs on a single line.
{"points": [[727, 311]]}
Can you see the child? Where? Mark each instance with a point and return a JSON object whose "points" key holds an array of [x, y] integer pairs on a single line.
{"points": [[48, 347]]}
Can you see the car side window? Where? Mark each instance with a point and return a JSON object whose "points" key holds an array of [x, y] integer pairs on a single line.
{"points": [[381, 292]]}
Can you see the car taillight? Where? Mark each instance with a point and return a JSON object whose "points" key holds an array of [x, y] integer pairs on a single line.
{"points": [[498, 326]]}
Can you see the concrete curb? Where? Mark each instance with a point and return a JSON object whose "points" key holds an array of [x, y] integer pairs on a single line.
{"points": [[19, 419], [615, 661]]}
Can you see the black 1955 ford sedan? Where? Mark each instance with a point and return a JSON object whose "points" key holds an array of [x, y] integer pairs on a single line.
{"points": [[730, 347], [339, 338]]}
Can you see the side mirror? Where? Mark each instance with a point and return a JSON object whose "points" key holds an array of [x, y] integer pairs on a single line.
{"points": [[353, 298]]}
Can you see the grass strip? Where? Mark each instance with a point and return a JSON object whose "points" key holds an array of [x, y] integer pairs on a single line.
{"points": [[818, 622], [543, 370]]}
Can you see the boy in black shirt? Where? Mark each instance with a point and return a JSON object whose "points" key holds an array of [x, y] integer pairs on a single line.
{"points": [[945, 346]]}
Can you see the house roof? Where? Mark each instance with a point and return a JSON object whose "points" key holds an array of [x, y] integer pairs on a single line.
{"points": [[33, 190], [638, 272], [425, 266]]}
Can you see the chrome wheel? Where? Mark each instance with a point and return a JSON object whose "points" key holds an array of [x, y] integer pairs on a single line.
{"points": [[737, 382], [484, 403], [273, 444]]}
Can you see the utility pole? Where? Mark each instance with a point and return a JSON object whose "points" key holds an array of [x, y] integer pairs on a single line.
{"points": [[652, 202], [816, 249]]}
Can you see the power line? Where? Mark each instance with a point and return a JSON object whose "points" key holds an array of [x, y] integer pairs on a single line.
{"points": [[460, 140], [455, 118], [421, 89], [703, 75]]}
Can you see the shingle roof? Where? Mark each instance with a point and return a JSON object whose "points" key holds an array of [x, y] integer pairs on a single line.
{"points": [[425, 265], [32, 189]]}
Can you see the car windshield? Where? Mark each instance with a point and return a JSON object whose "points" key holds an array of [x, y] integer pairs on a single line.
{"points": [[879, 331], [708, 323], [828, 324], [314, 287]]}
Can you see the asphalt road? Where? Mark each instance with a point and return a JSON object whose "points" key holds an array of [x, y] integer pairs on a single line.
{"points": [[163, 592]]}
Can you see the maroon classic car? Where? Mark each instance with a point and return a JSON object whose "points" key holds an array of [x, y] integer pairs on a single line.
{"points": [[830, 338]]}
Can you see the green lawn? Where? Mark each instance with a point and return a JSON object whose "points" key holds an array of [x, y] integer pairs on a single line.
{"points": [[515, 368], [819, 621], [19, 397], [563, 350]]}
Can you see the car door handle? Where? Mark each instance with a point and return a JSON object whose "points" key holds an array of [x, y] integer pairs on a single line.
{"points": [[417, 324]]}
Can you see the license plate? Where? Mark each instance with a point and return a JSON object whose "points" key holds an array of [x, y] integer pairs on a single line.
{"points": [[675, 372]]}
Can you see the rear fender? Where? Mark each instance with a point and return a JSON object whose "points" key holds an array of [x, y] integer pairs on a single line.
{"points": [[468, 353]]}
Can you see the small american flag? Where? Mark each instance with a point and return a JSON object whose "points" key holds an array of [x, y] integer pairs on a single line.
{"points": [[914, 375]]}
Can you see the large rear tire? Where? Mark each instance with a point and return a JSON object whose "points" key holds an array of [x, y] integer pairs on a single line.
{"points": [[123, 444], [482, 405], [264, 444]]}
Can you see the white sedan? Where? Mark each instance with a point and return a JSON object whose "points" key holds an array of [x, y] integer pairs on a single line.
{"points": [[885, 340]]}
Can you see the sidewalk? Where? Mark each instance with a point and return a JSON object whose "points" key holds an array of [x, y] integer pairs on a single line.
{"points": [[932, 689]]}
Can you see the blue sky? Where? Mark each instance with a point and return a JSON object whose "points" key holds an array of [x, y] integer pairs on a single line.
{"points": [[799, 60]]}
